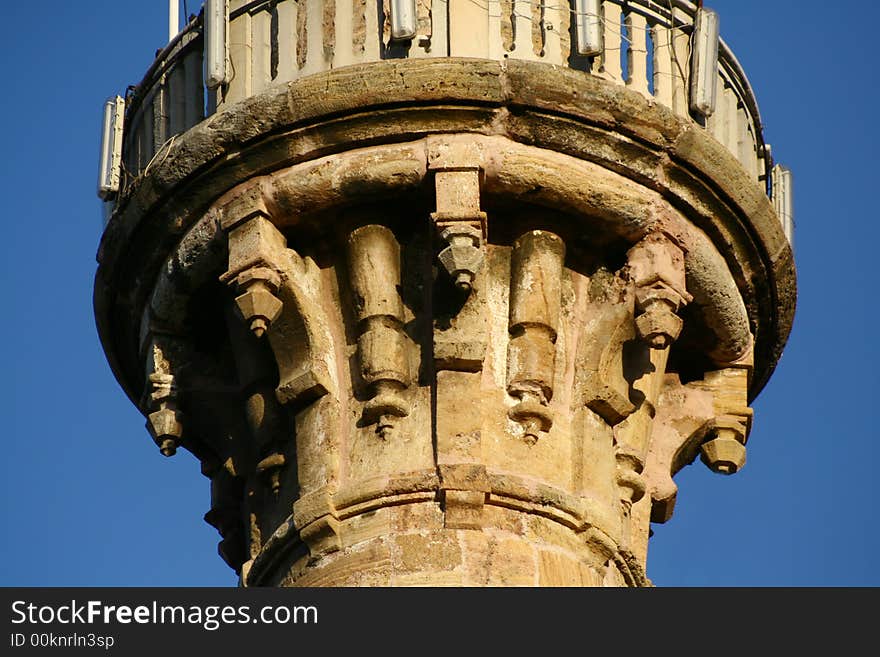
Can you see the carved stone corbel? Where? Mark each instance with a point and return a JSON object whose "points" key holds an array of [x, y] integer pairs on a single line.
{"points": [[683, 415], [383, 346], [254, 247], [164, 422], [630, 481], [282, 298], [606, 329], [226, 516], [537, 263], [458, 219], [464, 487], [657, 268], [724, 448], [270, 468], [161, 404], [725, 452], [258, 304], [316, 518], [266, 419]]}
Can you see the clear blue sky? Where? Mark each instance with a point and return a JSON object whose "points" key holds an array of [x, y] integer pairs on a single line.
{"points": [[88, 499]]}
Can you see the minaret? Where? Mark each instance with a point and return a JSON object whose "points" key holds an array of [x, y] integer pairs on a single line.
{"points": [[444, 292]]}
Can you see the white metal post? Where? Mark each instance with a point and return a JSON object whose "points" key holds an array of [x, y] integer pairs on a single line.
{"points": [[173, 18]]}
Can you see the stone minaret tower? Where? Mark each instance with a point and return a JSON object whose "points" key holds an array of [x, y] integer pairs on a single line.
{"points": [[442, 294]]}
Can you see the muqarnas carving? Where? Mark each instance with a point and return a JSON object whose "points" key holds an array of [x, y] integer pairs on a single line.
{"points": [[383, 346], [536, 265]]}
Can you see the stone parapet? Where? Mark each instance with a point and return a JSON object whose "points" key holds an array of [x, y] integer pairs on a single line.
{"points": [[641, 45]]}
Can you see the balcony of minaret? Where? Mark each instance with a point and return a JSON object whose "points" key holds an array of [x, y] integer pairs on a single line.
{"points": [[444, 292]]}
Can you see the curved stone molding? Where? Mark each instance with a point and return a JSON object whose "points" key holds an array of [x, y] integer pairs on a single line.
{"points": [[357, 519]]}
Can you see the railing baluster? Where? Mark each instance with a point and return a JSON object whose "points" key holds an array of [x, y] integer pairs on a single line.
{"points": [[522, 25], [752, 155], [716, 122], [261, 50], [663, 66], [424, 32], [371, 42], [194, 103], [637, 53], [160, 114], [343, 24], [287, 68], [526, 22], [680, 66], [743, 148], [496, 46], [240, 82], [146, 149], [554, 12], [439, 29], [613, 43], [177, 100], [359, 28], [316, 56], [761, 164], [469, 29], [132, 148]]}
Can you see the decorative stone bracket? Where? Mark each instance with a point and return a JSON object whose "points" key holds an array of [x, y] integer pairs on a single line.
{"points": [[724, 449], [164, 419], [226, 514], [658, 271], [458, 219], [316, 518], [270, 468], [383, 346], [255, 247], [679, 426], [282, 298], [606, 390], [656, 267], [464, 487], [709, 417], [266, 418], [535, 296]]}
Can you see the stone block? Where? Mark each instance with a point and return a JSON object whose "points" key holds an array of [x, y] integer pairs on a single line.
{"points": [[437, 551]]}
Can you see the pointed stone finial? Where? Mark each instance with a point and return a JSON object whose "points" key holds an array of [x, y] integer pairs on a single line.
{"points": [[259, 306]]}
